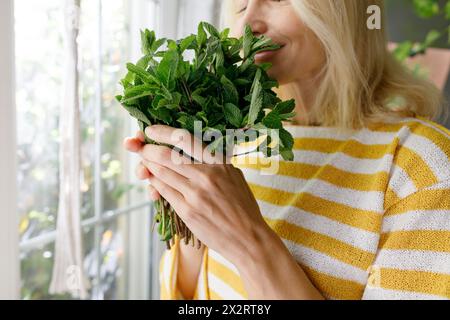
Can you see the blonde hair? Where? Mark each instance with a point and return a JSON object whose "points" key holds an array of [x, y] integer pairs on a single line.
{"points": [[361, 81]]}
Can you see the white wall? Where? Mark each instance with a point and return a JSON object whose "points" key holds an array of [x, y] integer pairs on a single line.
{"points": [[9, 237]]}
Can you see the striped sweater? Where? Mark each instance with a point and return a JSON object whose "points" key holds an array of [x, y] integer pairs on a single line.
{"points": [[365, 213]]}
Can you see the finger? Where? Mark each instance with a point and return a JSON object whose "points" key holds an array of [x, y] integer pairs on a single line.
{"points": [[184, 140], [140, 135], [133, 144], [142, 172], [175, 198], [170, 177], [169, 158], [153, 193]]}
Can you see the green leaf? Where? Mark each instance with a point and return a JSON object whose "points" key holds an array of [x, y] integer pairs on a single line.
{"points": [[233, 114], [242, 82], [403, 50], [447, 11], [211, 29], [270, 84], [201, 36], [137, 90], [158, 43], [248, 40], [142, 74], [426, 8], [187, 42], [167, 68], [199, 99], [432, 37], [257, 100], [138, 114], [216, 145], [272, 121], [287, 155], [220, 58], [285, 107], [224, 34], [286, 138], [147, 39], [130, 98], [287, 116], [230, 93]]}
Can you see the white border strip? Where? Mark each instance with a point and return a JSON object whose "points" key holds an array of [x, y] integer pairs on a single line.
{"points": [[9, 230]]}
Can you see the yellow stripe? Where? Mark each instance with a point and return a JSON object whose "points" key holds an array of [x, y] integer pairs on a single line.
{"points": [[328, 173], [390, 198], [434, 136], [438, 241], [322, 243], [385, 127], [362, 219], [351, 148], [205, 273], [227, 276], [195, 297], [393, 127], [435, 125], [416, 168], [172, 269], [214, 295], [333, 287], [164, 295], [416, 281], [438, 199]]}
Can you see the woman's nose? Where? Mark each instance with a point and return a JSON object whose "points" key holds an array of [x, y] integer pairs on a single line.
{"points": [[256, 16], [258, 27]]}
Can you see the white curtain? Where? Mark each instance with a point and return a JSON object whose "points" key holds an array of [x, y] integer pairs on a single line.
{"points": [[68, 275], [191, 12]]}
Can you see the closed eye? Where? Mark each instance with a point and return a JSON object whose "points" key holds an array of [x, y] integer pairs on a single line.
{"points": [[245, 8]]}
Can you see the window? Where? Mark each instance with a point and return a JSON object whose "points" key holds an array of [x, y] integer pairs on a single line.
{"points": [[112, 202], [120, 259]]}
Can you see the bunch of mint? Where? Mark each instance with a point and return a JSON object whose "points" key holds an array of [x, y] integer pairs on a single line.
{"points": [[222, 88]]}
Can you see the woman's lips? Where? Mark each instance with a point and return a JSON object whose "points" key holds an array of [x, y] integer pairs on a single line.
{"points": [[266, 55]]}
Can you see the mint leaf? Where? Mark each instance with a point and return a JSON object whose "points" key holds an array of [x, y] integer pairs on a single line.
{"points": [[257, 100], [233, 114], [167, 68], [248, 41], [285, 107]]}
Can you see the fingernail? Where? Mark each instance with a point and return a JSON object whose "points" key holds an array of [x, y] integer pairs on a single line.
{"points": [[148, 131]]}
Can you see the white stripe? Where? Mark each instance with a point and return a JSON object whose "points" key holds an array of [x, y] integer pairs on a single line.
{"points": [[364, 200], [436, 128], [337, 160], [214, 255], [344, 162], [363, 136], [418, 220], [433, 156], [401, 183], [364, 240], [373, 293], [326, 264], [443, 185], [429, 261], [223, 289]]}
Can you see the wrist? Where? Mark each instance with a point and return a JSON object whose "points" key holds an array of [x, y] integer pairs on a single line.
{"points": [[259, 249]]}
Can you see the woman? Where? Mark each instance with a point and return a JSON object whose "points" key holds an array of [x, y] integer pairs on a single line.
{"points": [[363, 212]]}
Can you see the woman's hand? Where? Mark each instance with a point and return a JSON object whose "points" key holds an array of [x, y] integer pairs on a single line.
{"points": [[212, 198], [215, 202]]}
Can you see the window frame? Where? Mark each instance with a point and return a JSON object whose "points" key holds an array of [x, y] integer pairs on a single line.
{"points": [[9, 231], [145, 249]]}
